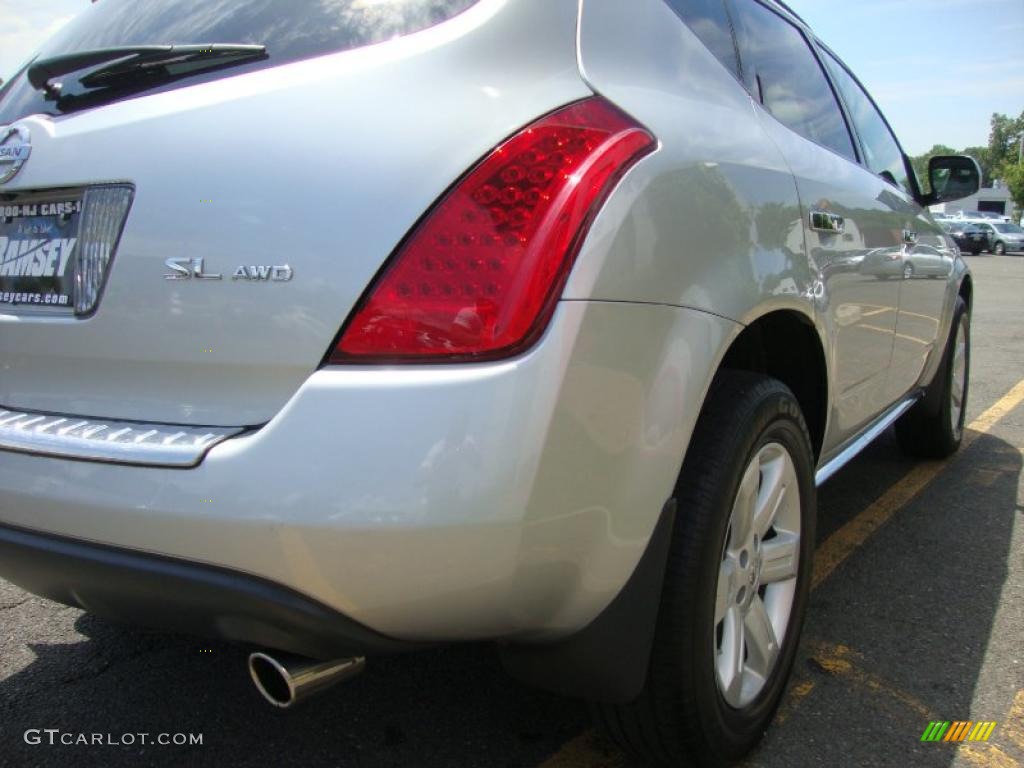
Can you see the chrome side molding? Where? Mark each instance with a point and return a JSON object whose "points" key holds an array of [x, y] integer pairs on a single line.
{"points": [[859, 443], [122, 442]]}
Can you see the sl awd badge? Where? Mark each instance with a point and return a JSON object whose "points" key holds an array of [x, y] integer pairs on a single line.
{"points": [[193, 269]]}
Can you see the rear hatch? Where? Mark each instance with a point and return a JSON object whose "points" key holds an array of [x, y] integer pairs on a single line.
{"points": [[216, 229]]}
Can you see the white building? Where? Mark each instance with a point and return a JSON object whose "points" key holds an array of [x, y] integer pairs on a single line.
{"points": [[995, 198]]}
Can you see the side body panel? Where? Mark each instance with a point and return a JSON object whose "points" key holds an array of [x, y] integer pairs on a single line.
{"points": [[925, 301], [861, 271], [712, 220]]}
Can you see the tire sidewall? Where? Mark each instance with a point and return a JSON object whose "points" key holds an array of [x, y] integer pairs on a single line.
{"points": [[777, 420], [961, 313]]}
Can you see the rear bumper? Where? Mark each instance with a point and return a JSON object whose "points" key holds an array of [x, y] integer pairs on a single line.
{"points": [[176, 595], [507, 500]]}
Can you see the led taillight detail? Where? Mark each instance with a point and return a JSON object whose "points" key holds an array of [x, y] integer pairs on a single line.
{"points": [[480, 275]]}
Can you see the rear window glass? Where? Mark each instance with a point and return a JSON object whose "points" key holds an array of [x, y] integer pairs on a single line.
{"points": [[783, 73], [290, 30], [710, 22]]}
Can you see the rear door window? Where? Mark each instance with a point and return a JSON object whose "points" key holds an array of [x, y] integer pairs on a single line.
{"points": [[882, 153], [710, 22], [782, 72]]}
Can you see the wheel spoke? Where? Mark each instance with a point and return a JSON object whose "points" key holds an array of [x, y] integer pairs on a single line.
{"points": [[743, 507], [780, 557], [723, 595], [762, 646], [760, 562], [773, 489], [730, 659]]}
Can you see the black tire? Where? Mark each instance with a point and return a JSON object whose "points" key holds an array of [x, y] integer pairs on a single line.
{"points": [[681, 717], [928, 430], [1000, 249], [975, 252]]}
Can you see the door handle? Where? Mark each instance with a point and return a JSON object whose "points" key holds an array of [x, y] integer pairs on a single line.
{"points": [[823, 221]]}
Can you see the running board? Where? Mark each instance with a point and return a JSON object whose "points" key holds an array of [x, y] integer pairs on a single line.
{"points": [[842, 458]]}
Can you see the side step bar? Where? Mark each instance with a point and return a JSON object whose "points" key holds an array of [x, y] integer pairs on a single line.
{"points": [[860, 442]]}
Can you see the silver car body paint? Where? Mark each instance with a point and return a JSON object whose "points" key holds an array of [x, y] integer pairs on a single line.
{"points": [[313, 164], [499, 500]]}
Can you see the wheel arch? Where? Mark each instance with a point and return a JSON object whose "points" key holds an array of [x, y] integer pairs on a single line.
{"points": [[785, 345], [782, 343]]}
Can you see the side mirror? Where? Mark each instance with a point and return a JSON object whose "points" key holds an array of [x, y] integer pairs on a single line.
{"points": [[952, 177]]}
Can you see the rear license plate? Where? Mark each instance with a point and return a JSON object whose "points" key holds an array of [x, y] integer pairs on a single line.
{"points": [[37, 242]]}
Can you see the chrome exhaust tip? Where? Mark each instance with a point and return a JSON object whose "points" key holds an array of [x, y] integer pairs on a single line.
{"points": [[285, 680]]}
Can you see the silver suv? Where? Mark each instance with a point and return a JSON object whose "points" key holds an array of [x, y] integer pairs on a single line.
{"points": [[340, 329], [1002, 236]]}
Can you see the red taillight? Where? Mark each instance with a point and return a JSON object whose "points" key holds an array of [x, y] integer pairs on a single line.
{"points": [[479, 277]]}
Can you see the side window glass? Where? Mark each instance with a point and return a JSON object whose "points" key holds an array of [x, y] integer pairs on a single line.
{"points": [[782, 71], [882, 153], [709, 21]]}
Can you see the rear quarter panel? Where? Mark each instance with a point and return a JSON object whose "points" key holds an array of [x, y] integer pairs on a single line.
{"points": [[712, 220]]}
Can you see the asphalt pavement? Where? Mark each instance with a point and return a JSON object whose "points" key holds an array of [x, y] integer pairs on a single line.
{"points": [[917, 615]]}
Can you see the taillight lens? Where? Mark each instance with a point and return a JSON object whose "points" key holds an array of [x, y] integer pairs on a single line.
{"points": [[480, 275]]}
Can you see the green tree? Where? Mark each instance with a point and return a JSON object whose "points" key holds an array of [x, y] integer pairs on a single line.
{"points": [[920, 162], [1013, 174], [1003, 139], [984, 157]]}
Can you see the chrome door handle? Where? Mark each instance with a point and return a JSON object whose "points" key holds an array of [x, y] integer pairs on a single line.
{"points": [[823, 221], [909, 237]]}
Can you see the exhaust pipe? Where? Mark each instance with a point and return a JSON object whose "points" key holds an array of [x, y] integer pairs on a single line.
{"points": [[285, 680]]}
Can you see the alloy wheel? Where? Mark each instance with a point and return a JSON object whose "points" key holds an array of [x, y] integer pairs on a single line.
{"points": [[757, 576]]}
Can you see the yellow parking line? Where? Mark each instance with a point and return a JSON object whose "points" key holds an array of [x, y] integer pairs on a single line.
{"points": [[841, 544], [1010, 732], [797, 693], [584, 751], [836, 660], [1013, 728], [1002, 406], [989, 756]]}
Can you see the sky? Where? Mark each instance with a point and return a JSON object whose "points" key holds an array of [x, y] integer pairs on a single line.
{"points": [[937, 68]]}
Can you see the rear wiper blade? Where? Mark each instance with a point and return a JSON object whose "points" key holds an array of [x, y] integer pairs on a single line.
{"points": [[119, 61]]}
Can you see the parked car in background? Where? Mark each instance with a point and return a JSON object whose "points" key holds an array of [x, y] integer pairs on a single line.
{"points": [[1002, 236], [981, 216], [340, 329], [968, 236]]}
